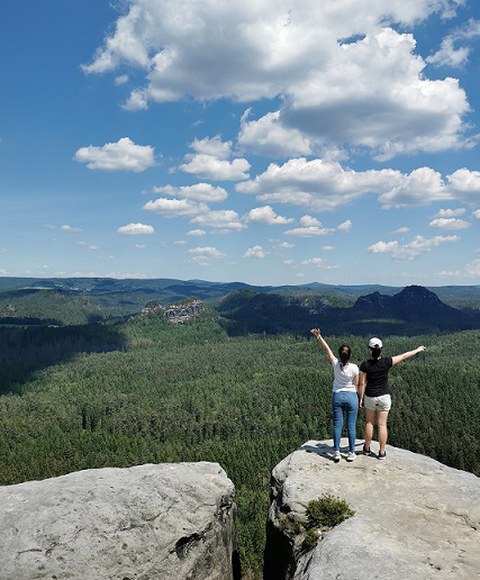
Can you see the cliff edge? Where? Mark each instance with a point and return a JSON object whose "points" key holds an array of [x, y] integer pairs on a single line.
{"points": [[414, 518], [165, 521]]}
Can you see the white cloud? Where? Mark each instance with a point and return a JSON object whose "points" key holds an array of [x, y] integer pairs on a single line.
{"points": [[308, 220], [226, 220], [213, 146], [210, 167], [452, 55], [449, 224], [421, 187], [309, 231], [465, 185], [419, 245], [140, 246], [136, 230], [121, 80], [124, 155], [476, 214], [450, 213], [175, 207], [203, 256], [267, 136], [402, 230], [266, 215], [345, 226], [255, 252], [318, 185], [318, 262], [210, 161], [328, 248], [179, 243], [69, 229], [196, 233], [371, 91], [285, 246], [4, 272], [203, 192]]}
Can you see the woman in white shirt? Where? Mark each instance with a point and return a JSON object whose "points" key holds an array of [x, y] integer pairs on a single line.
{"points": [[345, 397]]}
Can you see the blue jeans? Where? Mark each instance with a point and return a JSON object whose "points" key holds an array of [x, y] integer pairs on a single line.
{"points": [[344, 401]]}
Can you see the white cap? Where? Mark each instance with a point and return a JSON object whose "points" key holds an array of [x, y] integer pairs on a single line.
{"points": [[375, 343]]}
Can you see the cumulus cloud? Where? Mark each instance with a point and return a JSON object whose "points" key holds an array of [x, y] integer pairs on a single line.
{"points": [[203, 256], [450, 53], [465, 185], [318, 262], [124, 155], [421, 187], [267, 136], [196, 233], [225, 220], [69, 229], [345, 74], [476, 214], [308, 220], [175, 207], [345, 226], [317, 184], [450, 213], [266, 215], [257, 252], [419, 245], [202, 192], [210, 161], [402, 230], [136, 230], [449, 224], [309, 231]]}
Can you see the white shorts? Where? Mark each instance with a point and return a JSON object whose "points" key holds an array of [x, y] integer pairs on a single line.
{"points": [[381, 403]]}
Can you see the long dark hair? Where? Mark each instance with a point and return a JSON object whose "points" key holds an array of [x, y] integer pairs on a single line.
{"points": [[376, 352], [344, 353]]}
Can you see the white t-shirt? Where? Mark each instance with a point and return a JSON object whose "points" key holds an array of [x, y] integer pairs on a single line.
{"points": [[343, 376]]}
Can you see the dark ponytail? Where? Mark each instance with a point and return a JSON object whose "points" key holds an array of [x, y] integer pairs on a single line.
{"points": [[344, 353], [376, 352]]}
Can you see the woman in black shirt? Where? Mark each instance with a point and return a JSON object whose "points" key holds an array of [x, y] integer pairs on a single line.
{"points": [[374, 392]]}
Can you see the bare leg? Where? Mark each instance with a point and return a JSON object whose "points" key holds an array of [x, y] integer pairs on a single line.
{"points": [[382, 429], [369, 422]]}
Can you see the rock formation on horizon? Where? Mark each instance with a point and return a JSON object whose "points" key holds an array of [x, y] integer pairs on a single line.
{"points": [[415, 518], [167, 521]]}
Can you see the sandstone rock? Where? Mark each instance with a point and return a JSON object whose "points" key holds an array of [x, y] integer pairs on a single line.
{"points": [[166, 521], [414, 518]]}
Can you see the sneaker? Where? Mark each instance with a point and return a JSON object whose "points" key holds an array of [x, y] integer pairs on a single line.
{"points": [[366, 451], [337, 456], [351, 456], [382, 455]]}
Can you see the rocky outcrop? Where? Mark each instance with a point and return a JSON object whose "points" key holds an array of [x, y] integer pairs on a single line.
{"points": [[183, 313], [167, 521], [414, 518]]}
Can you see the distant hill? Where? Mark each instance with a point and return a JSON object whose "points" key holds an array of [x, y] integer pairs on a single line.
{"points": [[413, 310], [284, 308]]}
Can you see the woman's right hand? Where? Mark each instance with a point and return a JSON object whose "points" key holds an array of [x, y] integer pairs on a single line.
{"points": [[315, 332]]}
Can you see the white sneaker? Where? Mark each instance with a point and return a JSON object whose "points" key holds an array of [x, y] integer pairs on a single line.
{"points": [[337, 456], [351, 456]]}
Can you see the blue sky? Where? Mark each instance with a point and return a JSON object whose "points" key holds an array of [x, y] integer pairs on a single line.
{"points": [[263, 141]]}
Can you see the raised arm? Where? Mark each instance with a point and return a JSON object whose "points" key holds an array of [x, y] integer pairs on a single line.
{"points": [[406, 355], [322, 341]]}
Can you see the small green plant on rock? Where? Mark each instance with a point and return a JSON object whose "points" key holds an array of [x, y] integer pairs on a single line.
{"points": [[328, 511]]}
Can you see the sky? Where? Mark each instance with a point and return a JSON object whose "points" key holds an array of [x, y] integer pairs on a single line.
{"points": [[262, 141]]}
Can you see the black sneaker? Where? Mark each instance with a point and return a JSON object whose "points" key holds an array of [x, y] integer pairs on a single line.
{"points": [[366, 451], [382, 455]]}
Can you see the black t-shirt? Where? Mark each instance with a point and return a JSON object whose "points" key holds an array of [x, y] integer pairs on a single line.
{"points": [[377, 375]]}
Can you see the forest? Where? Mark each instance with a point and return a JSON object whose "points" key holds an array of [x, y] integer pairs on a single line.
{"points": [[142, 390]]}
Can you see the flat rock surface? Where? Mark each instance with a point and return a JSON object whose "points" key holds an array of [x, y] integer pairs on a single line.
{"points": [[150, 522], [415, 518]]}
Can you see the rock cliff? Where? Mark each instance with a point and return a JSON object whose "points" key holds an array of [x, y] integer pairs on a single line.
{"points": [[414, 518], [167, 521]]}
